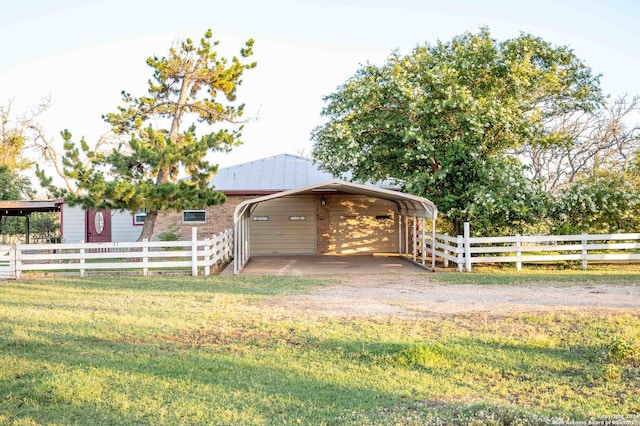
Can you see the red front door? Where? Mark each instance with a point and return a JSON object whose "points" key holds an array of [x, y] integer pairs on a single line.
{"points": [[98, 226]]}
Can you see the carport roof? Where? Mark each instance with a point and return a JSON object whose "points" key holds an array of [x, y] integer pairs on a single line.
{"points": [[25, 207], [406, 203]]}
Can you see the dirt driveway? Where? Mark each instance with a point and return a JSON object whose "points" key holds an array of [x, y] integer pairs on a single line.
{"points": [[419, 295]]}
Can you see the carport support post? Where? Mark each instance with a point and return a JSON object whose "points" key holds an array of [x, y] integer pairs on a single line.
{"points": [[423, 245], [406, 235], [236, 245], [434, 216], [415, 237]]}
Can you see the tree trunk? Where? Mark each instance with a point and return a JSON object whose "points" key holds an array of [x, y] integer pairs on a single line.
{"points": [[458, 227], [149, 224]]}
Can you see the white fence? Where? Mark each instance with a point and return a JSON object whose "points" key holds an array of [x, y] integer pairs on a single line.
{"points": [[191, 255], [7, 262], [464, 250]]}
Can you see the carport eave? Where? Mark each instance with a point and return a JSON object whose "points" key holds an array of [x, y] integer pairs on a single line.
{"points": [[418, 204]]}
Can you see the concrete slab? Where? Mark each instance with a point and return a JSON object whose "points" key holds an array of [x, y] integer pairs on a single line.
{"points": [[327, 264]]}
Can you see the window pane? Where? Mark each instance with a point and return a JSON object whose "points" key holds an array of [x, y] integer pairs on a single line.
{"points": [[193, 216], [98, 222], [140, 217]]}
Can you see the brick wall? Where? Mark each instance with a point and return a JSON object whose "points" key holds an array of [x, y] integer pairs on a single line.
{"points": [[218, 218], [322, 224]]}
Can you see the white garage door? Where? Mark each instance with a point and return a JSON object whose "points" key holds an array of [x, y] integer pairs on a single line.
{"points": [[284, 226]]}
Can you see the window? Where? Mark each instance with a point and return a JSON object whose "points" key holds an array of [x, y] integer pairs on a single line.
{"points": [[139, 217], [194, 216]]}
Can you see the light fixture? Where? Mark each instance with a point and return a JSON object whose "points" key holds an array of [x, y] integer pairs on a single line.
{"points": [[323, 201]]}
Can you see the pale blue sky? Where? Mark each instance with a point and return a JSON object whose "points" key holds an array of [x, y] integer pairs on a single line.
{"points": [[83, 53]]}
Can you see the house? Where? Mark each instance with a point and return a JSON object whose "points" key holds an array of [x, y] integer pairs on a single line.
{"points": [[78, 225], [303, 223], [284, 205], [97, 226]]}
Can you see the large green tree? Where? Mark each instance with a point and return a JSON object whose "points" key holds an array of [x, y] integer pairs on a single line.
{"points": [[444, 118], [159, 168]]}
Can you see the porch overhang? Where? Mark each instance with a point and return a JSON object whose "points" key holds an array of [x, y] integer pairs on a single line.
{"points": [[406, 205], [24, 208]]}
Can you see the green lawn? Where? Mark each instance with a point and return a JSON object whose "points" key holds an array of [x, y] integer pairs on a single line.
{"points": [[181, 350]]}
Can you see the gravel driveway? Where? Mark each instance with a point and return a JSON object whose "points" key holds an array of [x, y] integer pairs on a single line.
{"points": [[417, 295]]}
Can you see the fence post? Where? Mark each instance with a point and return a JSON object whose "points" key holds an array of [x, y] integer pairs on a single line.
{"points": [[145, 259], [13, 262], [467, 247], [194, 251], [82, 252], [229, 244], [460, 252], [518, 253], [445, 261], [584, 251], [208, 248]]}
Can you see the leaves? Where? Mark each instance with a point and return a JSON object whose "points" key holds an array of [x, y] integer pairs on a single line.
{"points": [[445, 117], [599, 205], [144, 173]]}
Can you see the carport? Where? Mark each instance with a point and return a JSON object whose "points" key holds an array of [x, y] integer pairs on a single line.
{"points": [[410, 208], [25, 208]]}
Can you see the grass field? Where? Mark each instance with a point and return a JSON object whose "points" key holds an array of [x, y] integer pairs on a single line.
{"points": [[179, 350]]}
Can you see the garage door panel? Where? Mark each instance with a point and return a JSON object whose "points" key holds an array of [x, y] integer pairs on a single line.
{"points": [[362, 225], [286, 226]]}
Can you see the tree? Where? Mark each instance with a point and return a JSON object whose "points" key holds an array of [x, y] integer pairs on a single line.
{"points": [[507, 202], [441, 117], [14, 186], [14, 135], [604, 204], [18, 133], [597, 141], [144, 173]]}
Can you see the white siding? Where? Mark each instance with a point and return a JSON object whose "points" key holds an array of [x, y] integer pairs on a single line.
{"points": [[73, 226], [122, 228]]}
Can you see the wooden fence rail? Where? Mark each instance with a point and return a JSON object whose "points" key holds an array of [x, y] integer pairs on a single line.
{"points": [[465, 250], [191, 255], [462, 250]]}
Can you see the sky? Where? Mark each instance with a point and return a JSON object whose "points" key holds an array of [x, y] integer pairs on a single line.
{"points": [[84, 53]]}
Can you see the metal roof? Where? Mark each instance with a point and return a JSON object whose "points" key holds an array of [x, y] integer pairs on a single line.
{"points": [[278, 173], [274, 174], [24, 207]]}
